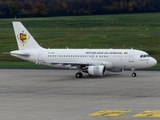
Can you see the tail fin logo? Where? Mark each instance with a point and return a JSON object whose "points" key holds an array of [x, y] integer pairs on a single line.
{"points": [[23, 37]]}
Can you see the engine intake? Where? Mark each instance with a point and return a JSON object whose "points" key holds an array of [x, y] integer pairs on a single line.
{"points": [[97, 70]]}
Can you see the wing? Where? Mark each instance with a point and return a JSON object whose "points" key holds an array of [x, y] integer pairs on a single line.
{"points": [[85, 63]]}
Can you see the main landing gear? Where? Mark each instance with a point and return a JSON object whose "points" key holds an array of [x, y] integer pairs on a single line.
{"points": [[79, 75], [133, 72]]}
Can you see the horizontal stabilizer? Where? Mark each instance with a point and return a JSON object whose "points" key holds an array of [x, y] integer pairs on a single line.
{"points": [[19, 53]]}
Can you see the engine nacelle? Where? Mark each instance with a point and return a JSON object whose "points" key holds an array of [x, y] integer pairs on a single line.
{"points": [[97, 70], [115, 69]]}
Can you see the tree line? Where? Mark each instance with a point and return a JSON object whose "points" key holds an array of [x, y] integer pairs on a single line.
{"points": [[39, 8]]}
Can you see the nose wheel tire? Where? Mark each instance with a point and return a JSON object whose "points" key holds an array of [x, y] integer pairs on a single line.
{"points": [[134, 74], [79, 75]]}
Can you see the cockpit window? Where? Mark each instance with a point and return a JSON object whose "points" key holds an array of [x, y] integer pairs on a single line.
{"points": [[148, 56], [143, 56]]}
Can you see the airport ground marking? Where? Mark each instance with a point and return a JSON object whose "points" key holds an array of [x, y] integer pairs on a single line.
{"points": [[148, 113], [111, 113]]}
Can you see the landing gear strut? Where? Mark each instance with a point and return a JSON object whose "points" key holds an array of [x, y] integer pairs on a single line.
{"points": [[79, 75], [133, 72]]}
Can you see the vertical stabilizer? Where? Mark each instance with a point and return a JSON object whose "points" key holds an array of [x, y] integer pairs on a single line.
{"points": [[24, 38]]}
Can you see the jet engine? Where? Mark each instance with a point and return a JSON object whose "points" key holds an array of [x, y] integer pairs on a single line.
{"points": [[97, 70]]}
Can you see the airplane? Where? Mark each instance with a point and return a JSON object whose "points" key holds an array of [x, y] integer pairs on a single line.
{"points": [[95, 62]]}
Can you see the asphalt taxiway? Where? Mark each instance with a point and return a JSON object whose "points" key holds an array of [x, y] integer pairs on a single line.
{"points": [[58, 95]]}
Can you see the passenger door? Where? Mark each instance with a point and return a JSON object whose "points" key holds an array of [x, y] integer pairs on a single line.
{"points": [[131, 56]]}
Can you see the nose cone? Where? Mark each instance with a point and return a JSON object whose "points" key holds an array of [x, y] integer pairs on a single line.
{"points": [[153, 62]]}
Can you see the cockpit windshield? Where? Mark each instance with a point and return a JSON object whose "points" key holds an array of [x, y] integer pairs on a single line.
{"points": [[144, 56]]}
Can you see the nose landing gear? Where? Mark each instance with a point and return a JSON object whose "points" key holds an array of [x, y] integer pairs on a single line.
{"points": [[133, 72]]}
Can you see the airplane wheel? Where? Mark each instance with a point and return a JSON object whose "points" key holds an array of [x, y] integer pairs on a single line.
{"points": [[134, 74], [79, 75]]}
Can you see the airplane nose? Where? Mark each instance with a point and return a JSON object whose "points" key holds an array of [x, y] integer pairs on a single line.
{"points": [[154, 62]]}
